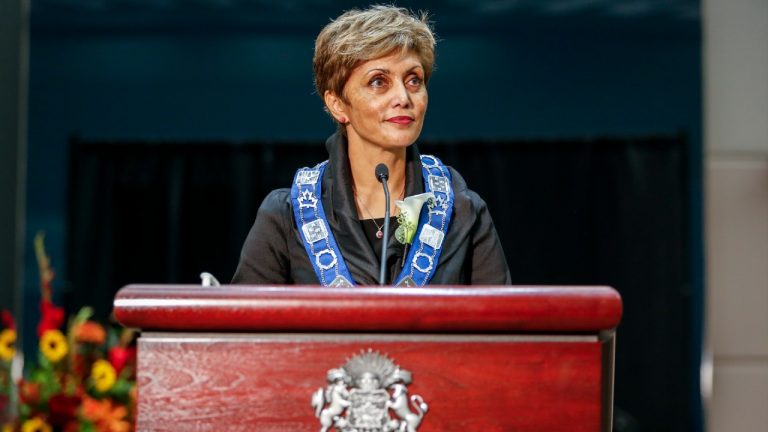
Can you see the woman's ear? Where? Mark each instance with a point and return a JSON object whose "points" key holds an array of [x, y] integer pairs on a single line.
{"points": [[335, 106]]}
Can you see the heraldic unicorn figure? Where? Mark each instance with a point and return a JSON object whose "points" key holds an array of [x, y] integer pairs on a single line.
{"points": [[399, 404], [361, 394]]}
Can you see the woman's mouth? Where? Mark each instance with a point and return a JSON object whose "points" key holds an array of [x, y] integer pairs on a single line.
{"points": [[403, 120]]}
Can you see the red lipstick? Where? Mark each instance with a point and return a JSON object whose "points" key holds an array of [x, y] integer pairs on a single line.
{"points": [[403, 120]]}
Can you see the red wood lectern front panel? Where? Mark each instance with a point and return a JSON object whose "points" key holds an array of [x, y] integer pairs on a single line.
{"points": [[248, 358]]}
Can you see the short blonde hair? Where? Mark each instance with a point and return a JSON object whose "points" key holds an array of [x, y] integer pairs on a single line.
{"points": [[361, 35]]}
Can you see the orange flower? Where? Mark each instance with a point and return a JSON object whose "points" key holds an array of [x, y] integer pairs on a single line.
{"points": [[90, 332], [105, 416]]}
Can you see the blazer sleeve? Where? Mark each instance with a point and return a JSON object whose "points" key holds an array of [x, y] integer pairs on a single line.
{"points": [[488, 263], [264, 258]]}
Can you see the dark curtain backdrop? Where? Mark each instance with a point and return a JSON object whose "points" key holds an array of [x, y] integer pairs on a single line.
{"points": [[601, 211]]}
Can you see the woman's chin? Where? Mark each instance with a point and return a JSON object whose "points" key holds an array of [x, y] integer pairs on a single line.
{"points": [[402, 143], [387, 141], [401, 140]]}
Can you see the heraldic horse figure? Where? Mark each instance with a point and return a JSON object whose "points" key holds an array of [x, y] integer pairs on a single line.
{"points": [[336, 395], [399, 404]]}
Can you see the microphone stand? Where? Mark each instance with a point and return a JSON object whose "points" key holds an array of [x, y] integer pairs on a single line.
{"points": [[382, 174]]}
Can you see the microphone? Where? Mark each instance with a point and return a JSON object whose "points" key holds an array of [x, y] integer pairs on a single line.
{"points": [[382, 175]]}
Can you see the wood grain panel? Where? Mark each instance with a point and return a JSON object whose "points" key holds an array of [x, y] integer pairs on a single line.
{"points": [[217, 382], [397, 310]]}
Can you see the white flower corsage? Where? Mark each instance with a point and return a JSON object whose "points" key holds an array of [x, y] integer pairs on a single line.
{"points": [[408, 219]]}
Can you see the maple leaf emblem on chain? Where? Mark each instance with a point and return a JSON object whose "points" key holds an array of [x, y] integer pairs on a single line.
{"points": [[307, 199], [438, 205]]}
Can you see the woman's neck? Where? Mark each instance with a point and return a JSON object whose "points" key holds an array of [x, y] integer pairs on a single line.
{"points": [[369, 195]]}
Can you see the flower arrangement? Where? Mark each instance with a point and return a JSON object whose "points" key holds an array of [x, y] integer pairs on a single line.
{"points": [[84, 380], [7, 354]]}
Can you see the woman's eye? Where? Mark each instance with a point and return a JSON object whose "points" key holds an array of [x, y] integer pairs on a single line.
{"points": [[414, 81], [377, 83]]}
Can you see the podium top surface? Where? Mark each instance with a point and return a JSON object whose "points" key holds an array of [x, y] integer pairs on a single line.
{"points": [[465, 309]]}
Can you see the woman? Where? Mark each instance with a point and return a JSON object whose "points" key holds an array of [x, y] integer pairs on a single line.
{"points": [[371, 70]]}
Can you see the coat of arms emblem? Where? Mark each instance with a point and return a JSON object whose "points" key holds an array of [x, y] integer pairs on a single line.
{"points": [[368, 393]]}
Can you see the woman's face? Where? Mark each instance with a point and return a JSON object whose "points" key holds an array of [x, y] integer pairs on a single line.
{"points": [[386, 100]]}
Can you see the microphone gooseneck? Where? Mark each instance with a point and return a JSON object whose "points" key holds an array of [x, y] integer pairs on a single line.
{"points": [[382, 175]]}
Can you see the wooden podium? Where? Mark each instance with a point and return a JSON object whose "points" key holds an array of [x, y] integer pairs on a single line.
{"points": [[250, 358]]}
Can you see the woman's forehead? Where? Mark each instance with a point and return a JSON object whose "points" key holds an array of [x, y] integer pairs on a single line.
{"points": [[392, 62]]}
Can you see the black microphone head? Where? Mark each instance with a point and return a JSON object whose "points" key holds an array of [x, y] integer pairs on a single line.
{"points": [[382, 172]]}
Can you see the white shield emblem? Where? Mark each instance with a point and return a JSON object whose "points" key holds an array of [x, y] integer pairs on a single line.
{"points": [[362, 394], [368, 409]]}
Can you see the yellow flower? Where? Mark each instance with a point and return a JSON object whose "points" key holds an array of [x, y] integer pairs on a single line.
{"points": [[35, 425], [103, 375], [53, 345], [7, 340]]}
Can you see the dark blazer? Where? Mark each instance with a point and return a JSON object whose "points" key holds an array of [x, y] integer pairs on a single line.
{"points": [[274, 253]]}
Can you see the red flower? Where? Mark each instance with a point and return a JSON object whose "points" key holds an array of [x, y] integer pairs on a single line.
{"points": [[29, 392], [7, 319], [62, 409], [3, 404], [120, 356], [51, 317]]}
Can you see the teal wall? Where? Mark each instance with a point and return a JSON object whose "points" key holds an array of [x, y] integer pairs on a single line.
{"points": [[516, 77], [136, 72]]}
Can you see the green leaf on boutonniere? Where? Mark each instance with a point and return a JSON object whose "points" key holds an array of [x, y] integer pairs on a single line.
{"points": [[408, 219]]}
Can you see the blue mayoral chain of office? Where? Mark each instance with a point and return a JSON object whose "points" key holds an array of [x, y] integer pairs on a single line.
{"points": [[321, 246]]}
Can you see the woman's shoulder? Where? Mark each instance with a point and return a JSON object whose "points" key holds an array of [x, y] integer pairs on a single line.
{"points": [[274, 215], [462, 192], [276, 202]]}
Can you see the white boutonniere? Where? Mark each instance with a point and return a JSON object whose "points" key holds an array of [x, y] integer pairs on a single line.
{"points": [[408, 219]]}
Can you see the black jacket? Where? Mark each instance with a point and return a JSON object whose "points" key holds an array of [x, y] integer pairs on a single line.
{"points": [[273, 252]]}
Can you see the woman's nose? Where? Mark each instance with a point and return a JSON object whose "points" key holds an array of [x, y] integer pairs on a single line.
{"points": [[401, 97]]}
